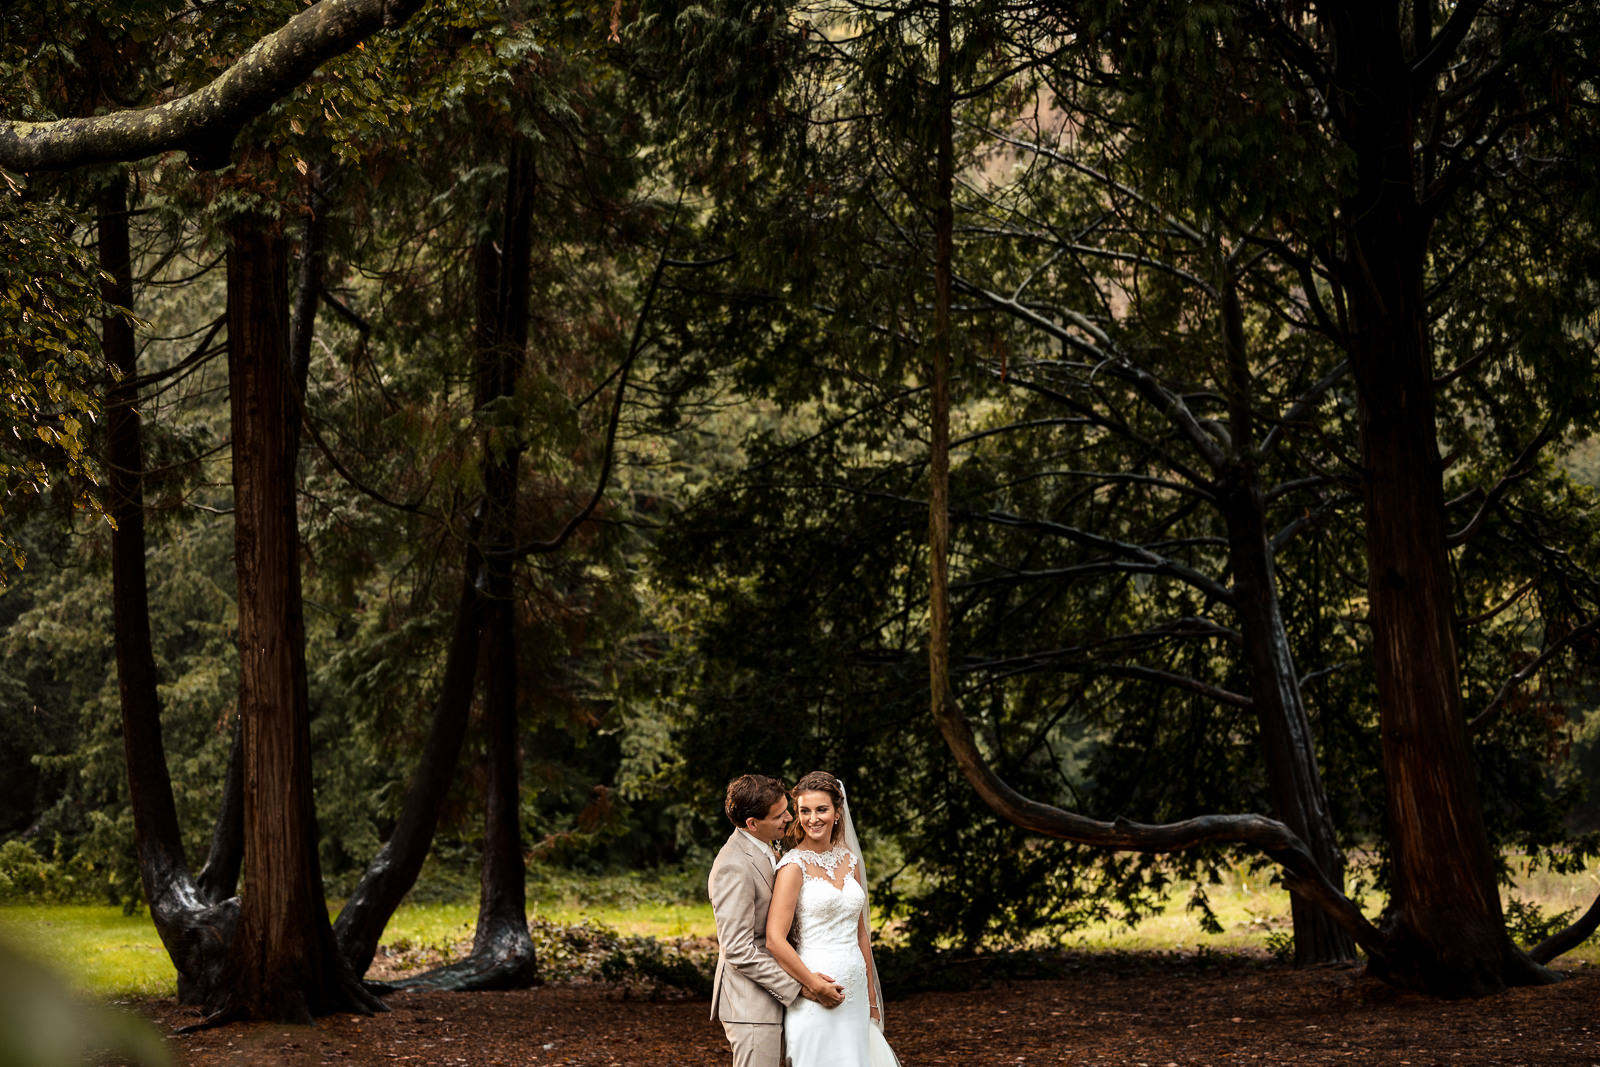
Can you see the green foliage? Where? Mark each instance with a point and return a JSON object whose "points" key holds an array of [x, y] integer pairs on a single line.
{"points": [[645, 962], [26, 877], [50, 367], [1528, 924], [751, 594]]}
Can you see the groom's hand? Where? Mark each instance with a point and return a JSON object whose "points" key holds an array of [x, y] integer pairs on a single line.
{"points": [[827, 992]]}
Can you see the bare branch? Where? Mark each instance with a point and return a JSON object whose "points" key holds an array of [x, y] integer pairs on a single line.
{"points": [[634, 347], [1492, 710], [1306, 404], [1444, 44], [413, 506], [1138, 553], [1520, 468], [1485, 616]]}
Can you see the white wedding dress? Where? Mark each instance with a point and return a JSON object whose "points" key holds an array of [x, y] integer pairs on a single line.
{"points": [[827, 917]]}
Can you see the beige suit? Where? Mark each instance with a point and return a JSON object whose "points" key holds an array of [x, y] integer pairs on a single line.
{"points": [[750, 990]]}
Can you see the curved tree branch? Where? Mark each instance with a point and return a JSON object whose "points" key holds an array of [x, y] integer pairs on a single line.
{"points": [[1520, 468], [1302, 874], [1138, 553], [205, 122], [1568, 939]]}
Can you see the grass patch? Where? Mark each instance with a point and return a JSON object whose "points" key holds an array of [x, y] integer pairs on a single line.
{"points": [[105, 952], [95, 947]]}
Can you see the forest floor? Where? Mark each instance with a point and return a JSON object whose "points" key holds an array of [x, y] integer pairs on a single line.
{"points": [[1156, 1010]]}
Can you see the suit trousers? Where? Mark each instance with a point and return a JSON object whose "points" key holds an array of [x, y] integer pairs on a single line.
{"points": [[755, 1044]]}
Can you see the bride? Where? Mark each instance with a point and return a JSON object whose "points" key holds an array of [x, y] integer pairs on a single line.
{"points": [[820, 897]]}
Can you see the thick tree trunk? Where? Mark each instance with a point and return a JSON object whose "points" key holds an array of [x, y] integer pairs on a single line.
{"points": [[502, 931], [501, 939], [283, 962], [1444, 921], [195, 936], [219, 878], [1444, 913]]}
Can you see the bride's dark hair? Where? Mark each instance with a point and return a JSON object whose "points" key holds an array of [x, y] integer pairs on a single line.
{"points": [[815, 782]]}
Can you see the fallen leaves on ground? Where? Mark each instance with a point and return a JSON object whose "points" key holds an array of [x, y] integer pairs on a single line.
{"points": [[1126, 1011]]}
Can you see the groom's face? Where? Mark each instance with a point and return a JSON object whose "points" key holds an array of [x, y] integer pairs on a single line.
{"points": [[771, 828]]}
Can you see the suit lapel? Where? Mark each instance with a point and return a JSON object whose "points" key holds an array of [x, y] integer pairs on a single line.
{"points": [[758, 859]]}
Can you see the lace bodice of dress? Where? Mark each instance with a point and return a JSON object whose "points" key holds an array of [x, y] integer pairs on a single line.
{"points": [[829, 908]]}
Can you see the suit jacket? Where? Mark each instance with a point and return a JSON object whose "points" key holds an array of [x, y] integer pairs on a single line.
{"points": [[750, 986]]}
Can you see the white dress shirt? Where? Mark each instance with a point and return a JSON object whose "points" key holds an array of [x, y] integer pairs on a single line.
{"points": [[766, 849]]}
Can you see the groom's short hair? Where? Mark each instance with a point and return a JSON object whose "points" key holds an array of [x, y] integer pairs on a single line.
{"points": [[751, 796]]}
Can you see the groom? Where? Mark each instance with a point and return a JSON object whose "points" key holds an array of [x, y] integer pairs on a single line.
{"points": [[751, 991]]}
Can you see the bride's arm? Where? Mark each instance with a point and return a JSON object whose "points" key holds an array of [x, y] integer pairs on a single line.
{"points": [[874, 990], [780, 916]]}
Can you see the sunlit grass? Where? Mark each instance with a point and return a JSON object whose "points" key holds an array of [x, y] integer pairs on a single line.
{"points": [[1251, 909], [105, 952], [96, 947], [444, 925]]}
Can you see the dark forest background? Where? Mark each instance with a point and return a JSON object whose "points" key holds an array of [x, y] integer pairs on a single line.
{"points": [[608, 334]]}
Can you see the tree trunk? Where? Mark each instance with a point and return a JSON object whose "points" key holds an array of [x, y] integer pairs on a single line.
{"points": [[394, 870], [195, 936], [1293, 777], [283, 963], [1444, 920], [503, 955], [219, 878], [1444, 910], [502, 931], [1287, 750]]}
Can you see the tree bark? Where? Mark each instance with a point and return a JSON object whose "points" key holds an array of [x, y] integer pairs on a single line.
{"points": [[283, 963], [503, 955], [219, 878], [502, 930], [205, 122], [195, 935], [1287, 750], [1444, 918], [394, 870]]}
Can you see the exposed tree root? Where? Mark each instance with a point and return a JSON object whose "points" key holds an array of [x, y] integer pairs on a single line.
{"points": [[503, 967]]}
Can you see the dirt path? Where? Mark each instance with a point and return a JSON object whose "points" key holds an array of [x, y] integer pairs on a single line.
{"points": [[1124, 1012]]}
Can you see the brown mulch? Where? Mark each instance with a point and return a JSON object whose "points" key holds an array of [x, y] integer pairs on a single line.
{"points": [[1124, 1011]]}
